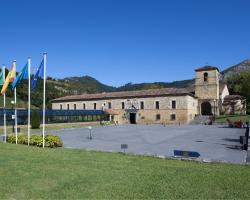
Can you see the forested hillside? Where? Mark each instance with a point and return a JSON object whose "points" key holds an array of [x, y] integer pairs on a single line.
{"points": [[85, 84]]}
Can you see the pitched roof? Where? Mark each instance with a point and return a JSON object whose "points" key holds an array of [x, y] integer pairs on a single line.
{"points": [[207, 68], [232, 97], [127, 94], [110, 112]]}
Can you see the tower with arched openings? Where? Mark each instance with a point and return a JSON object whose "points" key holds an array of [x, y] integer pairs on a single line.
{"points": [[207, 90]]}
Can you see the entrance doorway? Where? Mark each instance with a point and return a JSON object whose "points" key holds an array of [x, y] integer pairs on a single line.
{"points": [[132, 118], [206, 108]]}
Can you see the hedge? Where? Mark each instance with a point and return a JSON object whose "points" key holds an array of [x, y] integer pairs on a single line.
{"points": [[51, 141], [35, 120]]}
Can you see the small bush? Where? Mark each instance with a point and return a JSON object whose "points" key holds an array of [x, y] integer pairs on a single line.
{"points": [[11, 139], [35, 120], [51, 141], [105, 123]]}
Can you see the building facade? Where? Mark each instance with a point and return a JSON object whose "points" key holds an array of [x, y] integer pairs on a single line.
{"points": [[207, 96]]}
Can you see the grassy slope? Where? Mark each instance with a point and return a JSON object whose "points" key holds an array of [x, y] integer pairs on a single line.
{"points": [[20, 103], [74, 174], [232, 118]]}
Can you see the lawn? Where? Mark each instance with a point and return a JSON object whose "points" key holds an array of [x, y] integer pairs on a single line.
{"points": [[50, 127], [35, 173], [233, 118]]}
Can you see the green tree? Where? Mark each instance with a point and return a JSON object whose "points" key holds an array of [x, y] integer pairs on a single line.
{"points": [[35, 119], [240, 84]]}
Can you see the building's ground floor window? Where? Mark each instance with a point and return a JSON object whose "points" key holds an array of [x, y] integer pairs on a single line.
{"points": [[172, 117], [158, 117]]}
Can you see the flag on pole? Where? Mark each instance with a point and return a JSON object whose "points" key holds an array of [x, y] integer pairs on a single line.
{"points": [[29, 64], [2, 76], [10, 78], [43, 70], [39, 73], [23, 74], [2, 80]]}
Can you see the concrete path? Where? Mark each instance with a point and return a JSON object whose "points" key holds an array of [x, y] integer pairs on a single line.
{"points": [[214, 143]]}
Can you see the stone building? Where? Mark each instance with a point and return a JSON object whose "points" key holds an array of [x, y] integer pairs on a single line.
{"points": [[208, 96]]}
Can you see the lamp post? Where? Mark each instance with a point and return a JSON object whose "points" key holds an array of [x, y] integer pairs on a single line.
{"points": [[214, 108], [90, 134], [13, 116]]}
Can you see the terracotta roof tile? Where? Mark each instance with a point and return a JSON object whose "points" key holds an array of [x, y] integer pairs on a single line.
{"points": [[127, 94], [206, 68], [232, 97], [110, 112]]}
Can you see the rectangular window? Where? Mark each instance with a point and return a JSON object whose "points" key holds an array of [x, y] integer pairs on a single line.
{"points": [[109, 105], [123, 105], [68, 106], [158, 117], [84, 106], [142, 105], [172, 117], [173, 104], [157, 105], [94, 106], [60, 106], [74, 106]]}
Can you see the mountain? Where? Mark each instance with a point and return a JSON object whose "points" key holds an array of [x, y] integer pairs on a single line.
{"points": [[236, 69], [85, 84], [155, 85]]}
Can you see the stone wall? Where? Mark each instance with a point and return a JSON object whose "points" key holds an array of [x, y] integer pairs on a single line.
{"points": [[207, 89], [185, 110]]}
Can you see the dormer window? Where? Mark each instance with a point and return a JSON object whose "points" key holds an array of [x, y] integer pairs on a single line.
{"points": [[205, 76]]}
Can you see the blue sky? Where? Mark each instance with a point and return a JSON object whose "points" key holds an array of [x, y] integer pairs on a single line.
{"points": [[122, 41]]}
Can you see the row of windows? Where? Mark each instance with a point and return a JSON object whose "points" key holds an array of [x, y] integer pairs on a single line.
{"points": [[172, 117], [157, 105]]}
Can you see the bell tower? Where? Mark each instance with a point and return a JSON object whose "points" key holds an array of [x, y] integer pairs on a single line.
{"points": [[207, 90]]}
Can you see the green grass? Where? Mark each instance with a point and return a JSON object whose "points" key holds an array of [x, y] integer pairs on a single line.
{"points": [[233, 118], [50, 127], [35, 173]]}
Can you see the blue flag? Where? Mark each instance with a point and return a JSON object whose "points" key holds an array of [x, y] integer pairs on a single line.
{"points": [[21, 75], [39, 73]]}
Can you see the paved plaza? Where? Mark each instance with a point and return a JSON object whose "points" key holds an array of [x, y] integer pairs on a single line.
{"points": [[214, 143]]}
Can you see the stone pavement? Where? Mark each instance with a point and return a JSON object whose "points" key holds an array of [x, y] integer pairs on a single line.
{"points": [[214, 143]]}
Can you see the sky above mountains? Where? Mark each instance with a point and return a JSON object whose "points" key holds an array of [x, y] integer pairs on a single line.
{"points": [[120, 41]]}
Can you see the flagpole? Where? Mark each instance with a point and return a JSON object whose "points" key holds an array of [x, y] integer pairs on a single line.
{"points": [[14, 64], [4, 106], [44, 90], [29, 64]]}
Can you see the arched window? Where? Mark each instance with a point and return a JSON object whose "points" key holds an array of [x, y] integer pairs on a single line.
{"points": [[205, 76]]}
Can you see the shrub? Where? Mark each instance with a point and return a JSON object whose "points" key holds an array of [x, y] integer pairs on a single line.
{"points": [[11, 138], [35, 120], [36, 140], [51, 141]]}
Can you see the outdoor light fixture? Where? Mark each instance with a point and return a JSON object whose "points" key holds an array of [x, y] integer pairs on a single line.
{"points": [[90, 134]]}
